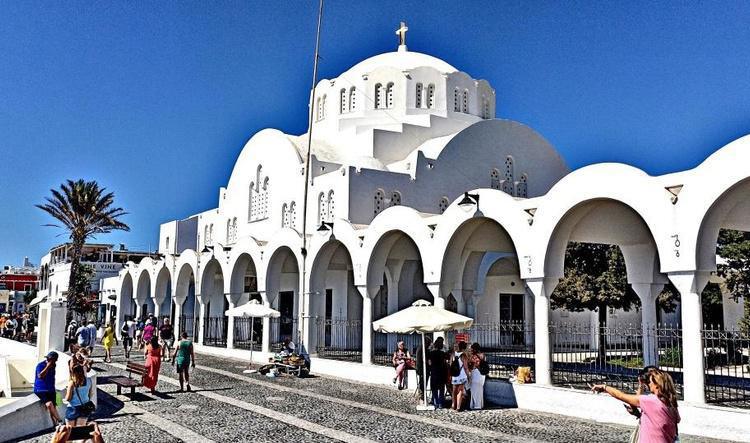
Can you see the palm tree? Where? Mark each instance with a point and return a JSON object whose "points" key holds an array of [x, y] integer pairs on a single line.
{"points": [[84, 210]]}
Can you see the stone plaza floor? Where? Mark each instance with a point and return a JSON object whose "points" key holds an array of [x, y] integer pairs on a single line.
{"points": [[227, 406]]}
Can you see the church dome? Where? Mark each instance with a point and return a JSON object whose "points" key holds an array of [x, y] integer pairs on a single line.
{"points": [[402, 60]]}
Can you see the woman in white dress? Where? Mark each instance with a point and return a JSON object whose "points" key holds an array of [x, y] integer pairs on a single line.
{"points": [[476, 385]]}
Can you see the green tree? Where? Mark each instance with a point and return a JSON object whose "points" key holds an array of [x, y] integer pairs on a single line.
{"points": [[595, 278], [84, 210], [734, 248]]}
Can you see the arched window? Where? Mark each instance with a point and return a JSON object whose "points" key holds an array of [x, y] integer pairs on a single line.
{"points": [[331, 206], [250, 201], [378, 201], [522, 187], [293, 215], [456, 103], [319, 109], [431, 96], [443, 204], [465, 102], [485, 108], [396, 198], [228, 238], [378, 96], [495, 179], [211, 234], [206, 238], [324, 107], [234, 230], [342, 101], [352, 99], [418, 96], [322, 208], [284, 216], [389, 96]]}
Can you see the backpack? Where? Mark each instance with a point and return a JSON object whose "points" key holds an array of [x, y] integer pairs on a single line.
{"points": [[484, 367], [455, 367], [125, 330]]}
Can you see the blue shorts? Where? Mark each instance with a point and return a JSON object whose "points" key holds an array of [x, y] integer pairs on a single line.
{"points": [[75, 412]]}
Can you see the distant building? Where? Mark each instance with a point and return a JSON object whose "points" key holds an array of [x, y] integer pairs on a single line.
{"points": [[15, 283], [54, 271]]}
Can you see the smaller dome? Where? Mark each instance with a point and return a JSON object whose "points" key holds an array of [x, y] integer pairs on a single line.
{"points": [[402, 60]]}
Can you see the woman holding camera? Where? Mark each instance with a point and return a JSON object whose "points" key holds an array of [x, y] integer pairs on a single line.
{"points": [[659, 415], [78, 396]]}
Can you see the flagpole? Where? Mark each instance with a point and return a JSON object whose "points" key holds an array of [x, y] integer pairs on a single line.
{"points": [[307, 173]]}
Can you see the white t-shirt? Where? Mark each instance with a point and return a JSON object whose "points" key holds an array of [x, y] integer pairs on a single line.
{"points": [[131, 328]]}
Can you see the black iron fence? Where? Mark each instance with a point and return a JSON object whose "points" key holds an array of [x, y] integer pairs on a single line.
{"points": [[584, 355], [384, 345], [187, 324], [215, 331], [282, 328], [338, 339], [248, 333], [727, 354], [506, 344]]}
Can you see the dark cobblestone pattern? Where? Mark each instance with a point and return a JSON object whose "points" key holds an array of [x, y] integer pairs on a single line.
{"points": [[224, 422]]}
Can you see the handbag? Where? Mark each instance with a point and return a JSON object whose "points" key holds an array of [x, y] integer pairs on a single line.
{"points": [[484, 367], [87, 408]]}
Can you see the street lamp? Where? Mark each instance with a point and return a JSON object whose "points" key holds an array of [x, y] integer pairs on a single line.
{"points": [[325, 227], [468, 201]]}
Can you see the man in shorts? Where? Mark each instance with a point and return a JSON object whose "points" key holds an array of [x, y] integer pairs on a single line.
{"points": [[44, 385], [128, 333], [166, 338]]}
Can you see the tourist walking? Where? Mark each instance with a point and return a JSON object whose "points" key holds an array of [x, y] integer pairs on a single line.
{"points": [[183, 359], [459, 375], [70, 334], [108, 340], [82, 336], [437, 371], [78, 396], [153, 364], [139, 334], [400, 360], [148, 331], [477, 364], [659, 414], [44, 385], [128, 333], [166, 338], [91, 335]]}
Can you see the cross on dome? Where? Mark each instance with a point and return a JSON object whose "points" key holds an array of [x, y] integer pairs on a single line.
{"points": [[401, 33]]}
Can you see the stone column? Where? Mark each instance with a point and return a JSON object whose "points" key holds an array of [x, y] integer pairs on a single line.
{"points": [[648, 292], [138, 309], [542, 288], [265, 336], [438, 301], [230, 323], [201, 319], [528, 317], [690, 285], [458, 295], [176, 324], [157, 310], [366, 323]]}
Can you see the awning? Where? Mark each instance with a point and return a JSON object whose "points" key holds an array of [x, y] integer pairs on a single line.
{"points": [[38, 299]]}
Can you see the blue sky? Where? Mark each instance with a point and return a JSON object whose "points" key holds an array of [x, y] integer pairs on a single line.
{"points": [[156, 99]]}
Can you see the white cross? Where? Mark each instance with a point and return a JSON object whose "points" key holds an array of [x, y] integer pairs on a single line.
{"points": [[401, 33]]}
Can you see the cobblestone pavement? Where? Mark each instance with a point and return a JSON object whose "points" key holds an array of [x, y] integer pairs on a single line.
{"points": [[230, 406]]}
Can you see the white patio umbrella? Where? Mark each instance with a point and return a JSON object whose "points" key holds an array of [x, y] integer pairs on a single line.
{"points": [[424, 318], [253, 309]]}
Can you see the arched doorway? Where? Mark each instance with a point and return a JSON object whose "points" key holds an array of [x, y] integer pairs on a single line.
{"points": [[248, 332], [214, 305], [185, 302], [282, 293]]}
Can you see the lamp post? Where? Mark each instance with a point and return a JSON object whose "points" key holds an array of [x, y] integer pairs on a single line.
{"points": [[468, 201]]}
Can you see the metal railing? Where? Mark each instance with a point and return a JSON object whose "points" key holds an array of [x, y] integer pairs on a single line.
{"points": [[248, 333], [727, 366], [338, 339], [187, 324], [583, 354], [384, 345], [215, 331], [506, 345], [282, 328]]}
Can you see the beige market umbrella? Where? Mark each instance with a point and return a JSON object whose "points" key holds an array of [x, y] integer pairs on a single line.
{"points": [[424, 318], [253, 309]]}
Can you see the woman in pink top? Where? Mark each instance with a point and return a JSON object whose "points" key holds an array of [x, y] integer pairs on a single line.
{"points": [[659, 415]]}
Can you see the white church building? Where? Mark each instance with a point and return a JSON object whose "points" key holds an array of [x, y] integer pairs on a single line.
{"points": [[418, 191]]}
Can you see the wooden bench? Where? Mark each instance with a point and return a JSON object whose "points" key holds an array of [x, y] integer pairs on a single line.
{"points": [[129, 381]]}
